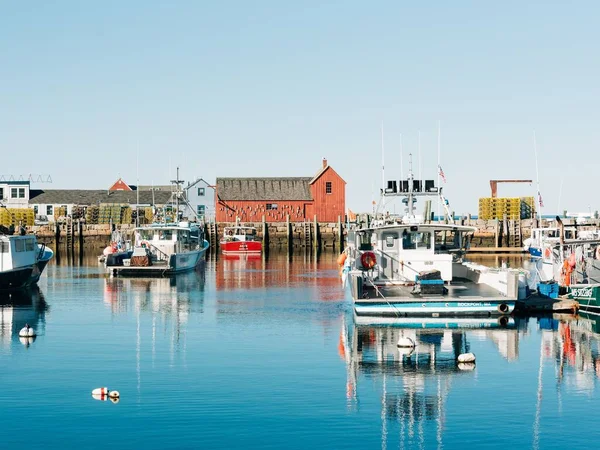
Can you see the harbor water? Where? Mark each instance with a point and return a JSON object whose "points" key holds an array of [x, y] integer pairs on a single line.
{"points": [[253, 352]]}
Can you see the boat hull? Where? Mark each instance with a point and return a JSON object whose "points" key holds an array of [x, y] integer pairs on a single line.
{"points": [[426, 307], [437, 323], [240, 247], [587, 295], [18, 278], [178, 263]]}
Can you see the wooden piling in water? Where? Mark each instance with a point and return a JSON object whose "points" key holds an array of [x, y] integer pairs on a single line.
{"points": [[265, 230], [289, 233], [316, 234], [340, 234]]}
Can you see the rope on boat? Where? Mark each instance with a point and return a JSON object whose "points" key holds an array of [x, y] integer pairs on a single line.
{"points": [[383, 297]]}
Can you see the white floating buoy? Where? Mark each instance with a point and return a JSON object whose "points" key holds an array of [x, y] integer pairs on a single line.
{"points": [[114, 394], [466, 366], [466, 358], [114, 399], [100, 391], [27, 331], [406, 342]]}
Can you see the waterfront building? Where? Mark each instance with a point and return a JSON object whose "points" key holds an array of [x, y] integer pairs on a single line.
{"points": [[200, 195], [14, 194], [51, 204], [301, 198]]}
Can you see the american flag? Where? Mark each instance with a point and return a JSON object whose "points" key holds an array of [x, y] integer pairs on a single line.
{"points": [[441, 173], [541, 202]]}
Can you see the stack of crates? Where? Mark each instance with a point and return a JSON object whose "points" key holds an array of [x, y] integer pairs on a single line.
{"points": [[91, 214], [78, 212], [61, 211], [527, 207], [148, 215], [513, 208], [17, 216], [117, 214], [126, 215]]}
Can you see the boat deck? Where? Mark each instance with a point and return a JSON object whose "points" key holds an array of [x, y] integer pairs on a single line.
{"points": [[457, 290], [157, 269]]}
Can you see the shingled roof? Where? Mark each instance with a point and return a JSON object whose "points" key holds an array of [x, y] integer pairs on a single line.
{"points": [[264, 189], [94, 197]]}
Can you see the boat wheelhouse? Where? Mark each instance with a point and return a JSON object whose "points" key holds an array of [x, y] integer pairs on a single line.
{"points": [[240, 239]]}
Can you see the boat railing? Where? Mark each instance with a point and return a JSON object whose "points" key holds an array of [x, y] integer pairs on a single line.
{"points": [[42, 251], [159, 251]]}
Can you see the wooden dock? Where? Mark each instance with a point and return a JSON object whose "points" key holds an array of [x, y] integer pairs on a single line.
{"points": [[496, 250]]}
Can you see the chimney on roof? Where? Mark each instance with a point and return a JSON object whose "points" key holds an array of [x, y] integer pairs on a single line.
{"points": [[324, 162]]}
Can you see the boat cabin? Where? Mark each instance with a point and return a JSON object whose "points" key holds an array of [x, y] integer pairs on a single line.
{"points": [[165, 240], [17, 251], [403, 251], [239, 233]]}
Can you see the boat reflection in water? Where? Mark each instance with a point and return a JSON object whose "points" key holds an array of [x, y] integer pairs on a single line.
{"points": [[182, 293], [572, 343], [19, 308], [415, 381]]}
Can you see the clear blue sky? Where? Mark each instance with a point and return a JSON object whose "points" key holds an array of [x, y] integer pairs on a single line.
{"points": [[268, 88]]}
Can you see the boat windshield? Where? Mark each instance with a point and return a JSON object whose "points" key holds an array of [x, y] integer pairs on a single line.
{"points": [[416, 240]]}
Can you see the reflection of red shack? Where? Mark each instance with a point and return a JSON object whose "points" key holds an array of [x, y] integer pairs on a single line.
{"points": [[300, 198], [243, 272]]}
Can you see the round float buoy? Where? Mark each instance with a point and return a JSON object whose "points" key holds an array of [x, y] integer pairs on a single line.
{"points": [[27, 331], [114, 394], [100, 391], [466, 366], [405, 342], [466, 358], [114, 399]]}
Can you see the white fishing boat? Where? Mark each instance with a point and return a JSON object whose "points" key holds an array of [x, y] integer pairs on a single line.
{"points": [[22, 261], [161, 250], [411, 266], [164, 248]]}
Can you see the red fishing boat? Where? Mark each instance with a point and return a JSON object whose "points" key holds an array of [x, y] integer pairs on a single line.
{"points": [[240, 240]]}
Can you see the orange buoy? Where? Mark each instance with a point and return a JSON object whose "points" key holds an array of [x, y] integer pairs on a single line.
{"points": [[342, 259]]}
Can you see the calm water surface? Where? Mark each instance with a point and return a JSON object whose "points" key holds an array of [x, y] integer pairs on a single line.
{"points": [[248, 353]]}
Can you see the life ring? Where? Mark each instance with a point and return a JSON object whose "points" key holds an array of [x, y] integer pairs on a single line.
{"points": [[368, 260], [597, 254]]}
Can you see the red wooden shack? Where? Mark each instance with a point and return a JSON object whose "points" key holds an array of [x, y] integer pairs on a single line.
{"points": [[249, 199]]}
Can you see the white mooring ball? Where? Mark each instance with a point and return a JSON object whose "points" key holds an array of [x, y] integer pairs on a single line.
{"points": [[466, 358], [406, 342], [27, 331]]}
